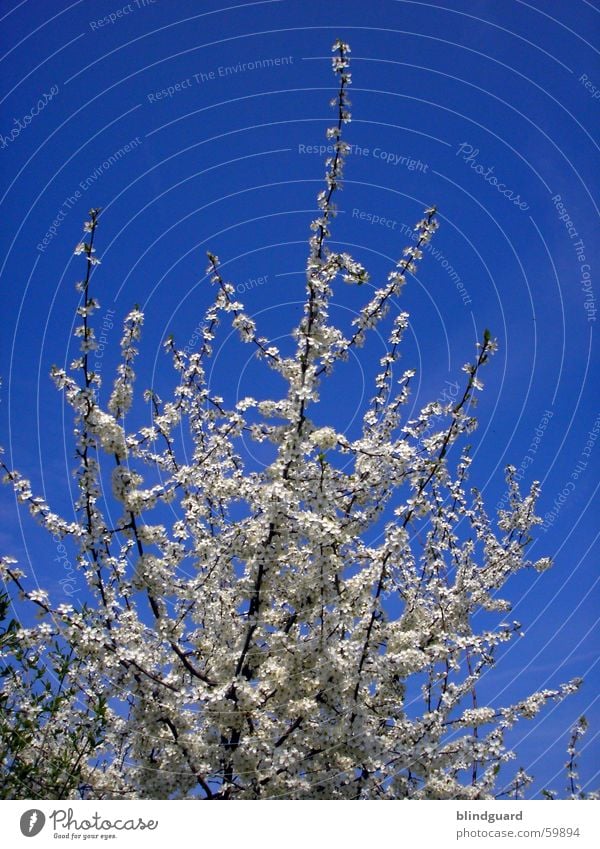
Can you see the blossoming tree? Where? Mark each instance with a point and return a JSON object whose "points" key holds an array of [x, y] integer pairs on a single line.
{"points": [[250, 640]]}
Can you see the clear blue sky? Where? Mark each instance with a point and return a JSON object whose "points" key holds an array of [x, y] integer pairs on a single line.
{"points": [[191, 124]]}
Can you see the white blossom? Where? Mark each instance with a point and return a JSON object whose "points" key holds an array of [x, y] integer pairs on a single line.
{"points": [[324, 437], [307, 629]]}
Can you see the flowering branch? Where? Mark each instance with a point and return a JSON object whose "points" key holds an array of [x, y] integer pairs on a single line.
{"points": [[249, 634]]}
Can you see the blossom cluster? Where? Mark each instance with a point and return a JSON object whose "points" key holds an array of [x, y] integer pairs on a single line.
{"points": [[263, 634]]}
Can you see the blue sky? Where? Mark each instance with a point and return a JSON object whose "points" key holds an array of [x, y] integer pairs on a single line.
{"points": [[196, 126]]}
